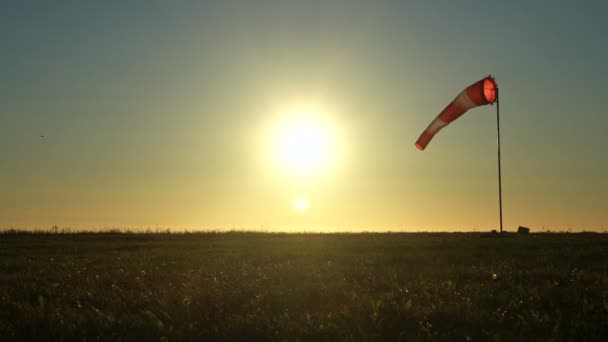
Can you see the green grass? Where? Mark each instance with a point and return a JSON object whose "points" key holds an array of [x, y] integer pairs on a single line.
{"points": [[303, 286]]}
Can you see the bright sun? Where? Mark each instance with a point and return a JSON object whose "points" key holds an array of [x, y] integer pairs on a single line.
{"points": [[300, 203], [304, 142]]}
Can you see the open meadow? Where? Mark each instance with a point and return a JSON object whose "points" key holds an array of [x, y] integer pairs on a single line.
{"points": [[270, 286]]}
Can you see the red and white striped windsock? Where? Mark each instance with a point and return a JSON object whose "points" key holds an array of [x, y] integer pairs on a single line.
{"points": [[480, 93]]}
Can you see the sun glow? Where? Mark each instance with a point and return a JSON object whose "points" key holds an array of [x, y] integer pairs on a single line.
{"points": [[304, 142]]}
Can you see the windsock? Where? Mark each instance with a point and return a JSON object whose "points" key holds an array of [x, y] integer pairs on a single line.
{"points": [[480, 93]]}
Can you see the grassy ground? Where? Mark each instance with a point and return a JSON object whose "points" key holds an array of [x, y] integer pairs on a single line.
{"points": [[303, 286]]}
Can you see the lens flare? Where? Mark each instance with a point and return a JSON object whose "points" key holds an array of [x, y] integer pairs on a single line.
{"points": [[300, 203]]}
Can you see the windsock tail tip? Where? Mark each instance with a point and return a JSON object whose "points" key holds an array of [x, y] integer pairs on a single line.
{"points": [[423, 140]]}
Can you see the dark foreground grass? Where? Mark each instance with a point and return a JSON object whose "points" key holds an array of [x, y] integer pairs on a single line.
{"points": [[303, 286]]}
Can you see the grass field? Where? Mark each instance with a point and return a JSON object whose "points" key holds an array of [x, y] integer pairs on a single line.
{"points": [[260, 286]]}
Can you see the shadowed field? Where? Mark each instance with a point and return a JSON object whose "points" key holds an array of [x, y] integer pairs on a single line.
{"points": [[303, 286]]}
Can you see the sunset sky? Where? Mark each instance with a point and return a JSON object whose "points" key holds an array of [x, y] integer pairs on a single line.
{"points": [[301, 115]]}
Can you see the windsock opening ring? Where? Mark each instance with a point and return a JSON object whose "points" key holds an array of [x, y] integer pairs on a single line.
{"points": [[490, 89]]}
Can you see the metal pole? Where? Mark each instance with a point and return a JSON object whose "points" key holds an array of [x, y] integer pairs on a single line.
{"points": [[499, 171]]}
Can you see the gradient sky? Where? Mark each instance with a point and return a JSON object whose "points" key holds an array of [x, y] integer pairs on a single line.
{"points": [[159, 113]]}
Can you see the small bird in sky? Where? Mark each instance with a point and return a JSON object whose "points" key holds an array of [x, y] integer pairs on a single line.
{"points": [[42, 136]]}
